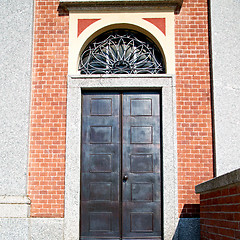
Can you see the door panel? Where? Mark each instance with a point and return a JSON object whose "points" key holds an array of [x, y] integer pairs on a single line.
{"points": [[120, 176], [141, 197], [100, 166]]}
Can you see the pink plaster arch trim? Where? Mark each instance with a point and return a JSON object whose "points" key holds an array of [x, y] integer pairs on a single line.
{"points": [[160, 23], [84, 23]]}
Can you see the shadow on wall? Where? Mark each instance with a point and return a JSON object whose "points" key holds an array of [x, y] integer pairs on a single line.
{"points": [[62, 11], [190, 211], [188, 227]]}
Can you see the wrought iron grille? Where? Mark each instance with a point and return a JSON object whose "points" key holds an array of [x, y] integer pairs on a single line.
{"points": [[121, 52]]}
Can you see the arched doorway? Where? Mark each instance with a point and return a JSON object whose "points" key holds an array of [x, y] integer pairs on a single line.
{"points": [[121, 142]]}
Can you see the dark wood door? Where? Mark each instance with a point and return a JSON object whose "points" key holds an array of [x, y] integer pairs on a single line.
{"points": [[120, 169]]}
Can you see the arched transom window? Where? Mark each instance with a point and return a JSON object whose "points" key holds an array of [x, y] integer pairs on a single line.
{"points": [[122, 52]]}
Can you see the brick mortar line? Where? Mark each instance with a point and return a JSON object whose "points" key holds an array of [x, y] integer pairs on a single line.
{"points": [[224, 196], [220, 220], [220, 212], [218, 234], [224, 204], [213, 226]]}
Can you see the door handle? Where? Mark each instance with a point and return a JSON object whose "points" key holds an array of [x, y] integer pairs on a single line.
{"points": [[125, 178]]}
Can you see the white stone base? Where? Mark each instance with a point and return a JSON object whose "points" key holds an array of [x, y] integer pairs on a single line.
{"points": [[14, 207], [53, 229], [31, 228]]}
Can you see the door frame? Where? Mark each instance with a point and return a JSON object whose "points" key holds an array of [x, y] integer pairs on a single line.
{"points": [[163, 82]]}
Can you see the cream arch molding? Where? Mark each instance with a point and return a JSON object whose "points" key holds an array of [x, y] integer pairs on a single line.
{"points": [[130, 20]]}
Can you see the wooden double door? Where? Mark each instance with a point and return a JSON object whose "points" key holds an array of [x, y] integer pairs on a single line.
{"points": [[121, 166]]}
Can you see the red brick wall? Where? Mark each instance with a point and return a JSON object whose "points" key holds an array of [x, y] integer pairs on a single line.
{"points": [[194, 128], [220, 214], [48, 111]]}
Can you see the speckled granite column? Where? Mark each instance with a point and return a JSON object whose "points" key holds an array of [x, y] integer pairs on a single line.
{"points": [[15, 87], [225, 58]]}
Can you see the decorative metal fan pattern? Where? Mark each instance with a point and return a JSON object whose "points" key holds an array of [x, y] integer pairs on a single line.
{"points": [[121, 52]]}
